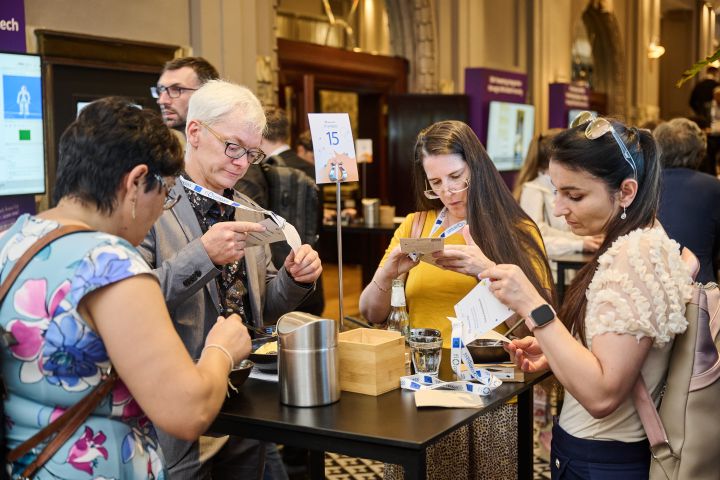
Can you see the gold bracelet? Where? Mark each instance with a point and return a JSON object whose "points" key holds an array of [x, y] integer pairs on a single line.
{"points": [[223, 350], [384, 290]]}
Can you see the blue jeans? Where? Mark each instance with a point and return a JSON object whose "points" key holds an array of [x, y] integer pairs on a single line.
{"points": [[573, 458]]}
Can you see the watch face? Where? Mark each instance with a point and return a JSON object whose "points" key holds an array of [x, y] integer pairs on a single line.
{"points": [[542, 315]]}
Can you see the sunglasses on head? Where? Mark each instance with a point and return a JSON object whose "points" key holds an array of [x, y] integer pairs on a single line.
{"points": [[597, 127]]}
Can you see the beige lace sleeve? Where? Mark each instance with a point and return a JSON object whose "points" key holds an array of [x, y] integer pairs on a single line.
{"points": [[640, 288]]}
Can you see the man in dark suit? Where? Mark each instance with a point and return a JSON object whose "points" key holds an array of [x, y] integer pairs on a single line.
{"points": [[275, 142], [199, 252], [689, 200]]}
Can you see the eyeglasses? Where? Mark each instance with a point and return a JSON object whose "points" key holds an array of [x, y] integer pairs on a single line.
{"points": [[598, 127], [170, 198], [233, 150], [173, 91], [456, 186]]}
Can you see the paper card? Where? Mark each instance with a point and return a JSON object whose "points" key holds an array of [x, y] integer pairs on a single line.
{"points": [[422, 248], [363, 149], [272, 234], [333, 147], [479, 311], [292, 236]]}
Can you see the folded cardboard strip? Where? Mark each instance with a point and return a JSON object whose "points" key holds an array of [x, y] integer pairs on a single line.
{"points": [[447, 399]]}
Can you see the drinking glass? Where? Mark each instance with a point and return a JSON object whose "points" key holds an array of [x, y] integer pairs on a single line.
{"points": [[426, 348]]}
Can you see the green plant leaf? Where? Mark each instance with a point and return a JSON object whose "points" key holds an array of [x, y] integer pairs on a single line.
{"points": [[697, 67]]}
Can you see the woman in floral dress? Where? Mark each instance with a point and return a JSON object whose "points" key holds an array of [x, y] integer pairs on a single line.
{"points": [[88, 301]]}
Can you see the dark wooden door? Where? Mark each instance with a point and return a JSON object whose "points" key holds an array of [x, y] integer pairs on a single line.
{"points": [[407, 115]]}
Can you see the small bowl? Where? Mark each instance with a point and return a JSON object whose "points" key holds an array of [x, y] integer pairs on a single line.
{"points": [[240, 373], [266, 362], [484, 350]]}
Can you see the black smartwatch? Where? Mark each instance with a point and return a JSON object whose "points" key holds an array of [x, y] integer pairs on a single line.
{"points": [[542, 315]]}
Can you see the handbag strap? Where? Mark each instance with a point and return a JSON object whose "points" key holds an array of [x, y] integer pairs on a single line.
{"points": [[32, 251], [418, 224], [65, 426]]}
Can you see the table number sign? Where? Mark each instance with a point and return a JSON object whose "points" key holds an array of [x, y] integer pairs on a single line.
{"points": [[333, 147]]}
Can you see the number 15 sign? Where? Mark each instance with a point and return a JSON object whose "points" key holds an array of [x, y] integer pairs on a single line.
{"points": [[333, 147]]}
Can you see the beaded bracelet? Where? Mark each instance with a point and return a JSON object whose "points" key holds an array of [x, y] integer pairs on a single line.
{"points": [[222, 349]]}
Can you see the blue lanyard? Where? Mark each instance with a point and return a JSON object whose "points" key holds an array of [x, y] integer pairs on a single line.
{"points": [[200, 190], [448, 231]]}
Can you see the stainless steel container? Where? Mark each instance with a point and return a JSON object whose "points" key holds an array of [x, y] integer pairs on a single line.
{"points": [[308, 360], [371, 210]]}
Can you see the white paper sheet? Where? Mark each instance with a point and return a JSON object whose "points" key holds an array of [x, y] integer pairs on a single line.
{"points": [[479, 311]]}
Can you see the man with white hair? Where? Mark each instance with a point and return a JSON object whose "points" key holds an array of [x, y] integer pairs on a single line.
{"points": [[199, 252]]}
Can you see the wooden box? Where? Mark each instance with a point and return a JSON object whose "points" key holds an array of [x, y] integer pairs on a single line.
{"points": [[371, 361]]}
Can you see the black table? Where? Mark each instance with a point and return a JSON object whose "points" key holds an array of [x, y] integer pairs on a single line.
{"points": [[387, 428], [572, 261]]}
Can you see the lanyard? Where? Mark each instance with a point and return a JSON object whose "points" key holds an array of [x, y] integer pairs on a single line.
{"points": [[448, 231], [219, 198]]}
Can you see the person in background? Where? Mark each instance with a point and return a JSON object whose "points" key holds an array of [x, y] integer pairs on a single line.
{"points": [[536, 194], [468, 204], [180, 78], [622, 311], [304, 149], [275, 140], [702, 93], [690, 201], [198, 250], [70, 313]]}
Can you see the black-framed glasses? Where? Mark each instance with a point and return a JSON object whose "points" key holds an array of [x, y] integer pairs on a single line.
{"points": [[170, 198], [233, 150], [456, 186], [173, 91], [597, 127]]}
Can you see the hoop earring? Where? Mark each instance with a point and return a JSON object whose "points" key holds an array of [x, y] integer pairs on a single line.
{"points": [[623, 216]]}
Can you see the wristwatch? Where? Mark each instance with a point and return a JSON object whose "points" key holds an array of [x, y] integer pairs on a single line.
{"points": [[542, 315]]}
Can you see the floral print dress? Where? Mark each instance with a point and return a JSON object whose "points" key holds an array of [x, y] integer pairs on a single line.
{"points": [[58, 358]]}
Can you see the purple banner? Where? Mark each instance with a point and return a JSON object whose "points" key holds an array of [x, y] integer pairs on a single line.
{"points": [[566, 99], [12, 26], [14, 206], [484, 85]]}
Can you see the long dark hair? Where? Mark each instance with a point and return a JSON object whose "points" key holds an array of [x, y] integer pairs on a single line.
{"points": [[498, 225], [602, 158]]}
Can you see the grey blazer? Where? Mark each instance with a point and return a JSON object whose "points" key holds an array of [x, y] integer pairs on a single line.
{"points": [[174, 250]]}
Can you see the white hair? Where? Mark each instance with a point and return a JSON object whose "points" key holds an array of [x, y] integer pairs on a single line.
{"points": [[218, 98]]}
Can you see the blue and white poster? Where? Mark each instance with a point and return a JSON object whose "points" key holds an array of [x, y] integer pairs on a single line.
{"points": [[21, 97]]}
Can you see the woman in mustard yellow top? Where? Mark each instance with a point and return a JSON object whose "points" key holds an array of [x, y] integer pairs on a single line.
{"points": [[465, 198], [469, 204]]}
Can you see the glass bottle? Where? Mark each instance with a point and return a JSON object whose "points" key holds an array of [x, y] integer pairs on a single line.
{"points": [[398, 319]]}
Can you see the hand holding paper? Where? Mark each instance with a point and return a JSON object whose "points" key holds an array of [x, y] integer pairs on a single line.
{"points": [[467, 259], [303, 265], [479, 311]]}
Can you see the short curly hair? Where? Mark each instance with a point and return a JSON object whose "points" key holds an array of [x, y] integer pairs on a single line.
{"points": [[110, 137]]}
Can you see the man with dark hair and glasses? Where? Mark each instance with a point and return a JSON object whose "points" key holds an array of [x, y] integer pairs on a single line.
{"points": [[206, 269], [180, 78]]}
